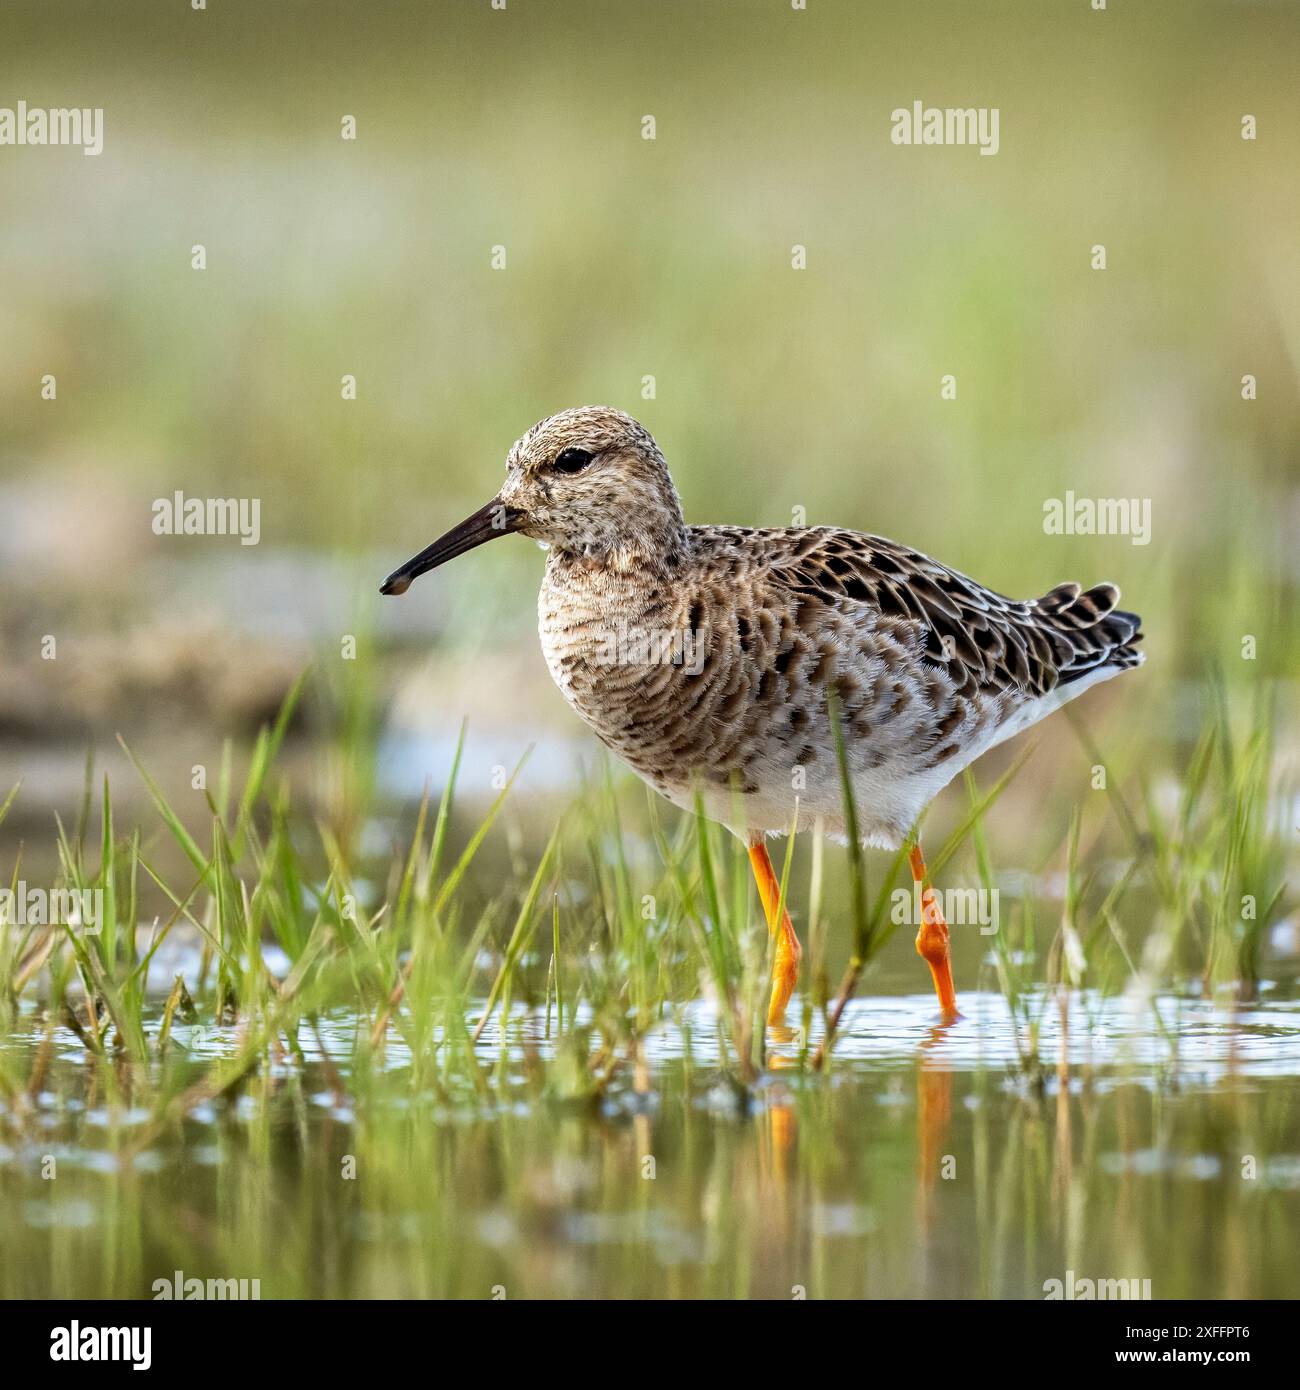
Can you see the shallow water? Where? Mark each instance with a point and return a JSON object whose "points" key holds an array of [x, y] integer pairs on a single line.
{"points": [[928, 1162]]}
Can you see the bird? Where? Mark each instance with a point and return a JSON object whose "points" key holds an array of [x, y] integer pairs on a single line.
{"points": [[714, 659]]}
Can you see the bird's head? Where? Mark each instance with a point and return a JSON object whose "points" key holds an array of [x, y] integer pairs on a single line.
{"points": [[589, 482]]}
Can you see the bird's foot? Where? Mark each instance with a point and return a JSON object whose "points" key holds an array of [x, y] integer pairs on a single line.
{"points": [[932, 947], [785, 974], [932, 941]]}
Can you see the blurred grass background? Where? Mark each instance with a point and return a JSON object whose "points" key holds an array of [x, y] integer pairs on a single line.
{"points": [[626, 258]]}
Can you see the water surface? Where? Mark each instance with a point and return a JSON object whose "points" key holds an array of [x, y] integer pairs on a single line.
{"points": [[928, 1162]]}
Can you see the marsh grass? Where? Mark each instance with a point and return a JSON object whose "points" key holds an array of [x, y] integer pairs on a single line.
{"points": [[608, 930], [413, 1000]]}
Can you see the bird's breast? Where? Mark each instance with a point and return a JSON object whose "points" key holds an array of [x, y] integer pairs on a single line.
{"points": [[627, 659]]}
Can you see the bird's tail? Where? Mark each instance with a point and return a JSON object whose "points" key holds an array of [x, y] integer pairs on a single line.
{"points": [[1087, 630]]}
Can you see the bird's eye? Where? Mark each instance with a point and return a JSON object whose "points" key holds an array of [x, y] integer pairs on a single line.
{"points": [[572, 460]]}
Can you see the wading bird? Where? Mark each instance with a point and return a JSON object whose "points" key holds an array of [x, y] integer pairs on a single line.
{"points": [[787, 628]]}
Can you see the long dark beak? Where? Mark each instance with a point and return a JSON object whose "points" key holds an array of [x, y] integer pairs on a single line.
{"points": [[496, 519]]}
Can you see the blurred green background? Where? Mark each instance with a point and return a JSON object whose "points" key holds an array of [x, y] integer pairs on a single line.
{"points": [[775, 389]]}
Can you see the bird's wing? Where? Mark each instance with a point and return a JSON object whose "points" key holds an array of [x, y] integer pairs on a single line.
{"points": [[986, 641]]}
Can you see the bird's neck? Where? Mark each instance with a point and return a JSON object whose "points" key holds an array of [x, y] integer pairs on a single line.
{"points": [[651, 550]]}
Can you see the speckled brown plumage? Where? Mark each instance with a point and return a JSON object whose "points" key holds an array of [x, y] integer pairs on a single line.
{"points": [[706, 656], [781, 630]]}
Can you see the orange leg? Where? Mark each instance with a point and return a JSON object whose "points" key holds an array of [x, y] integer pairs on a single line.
{"points": [[932, 939], [786, 969]]}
